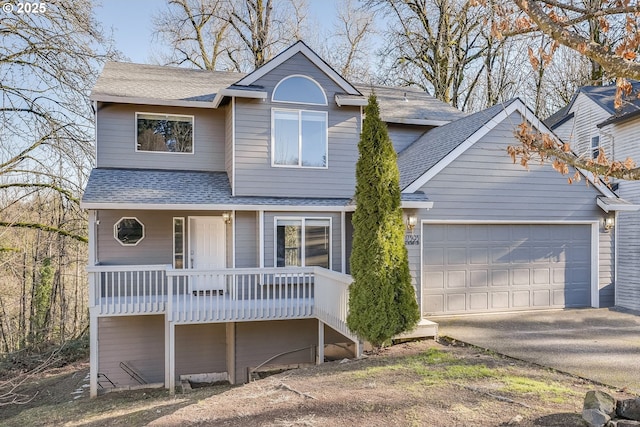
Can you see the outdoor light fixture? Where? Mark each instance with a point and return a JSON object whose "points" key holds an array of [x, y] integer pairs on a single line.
{"points": [[412, 220], [609, 222], [227, 217]]}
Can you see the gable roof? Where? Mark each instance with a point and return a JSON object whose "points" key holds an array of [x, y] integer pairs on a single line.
{"points": [[427, 151], [436, 149], [409, 105], [159, 85], [299, 47]]}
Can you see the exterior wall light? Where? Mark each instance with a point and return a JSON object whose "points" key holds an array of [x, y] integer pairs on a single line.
{"points": [[609, 223], [226, 216], [412, 221]]}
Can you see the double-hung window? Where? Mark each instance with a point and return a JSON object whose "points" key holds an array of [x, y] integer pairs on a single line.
{"points": [[595, 147], [299, 136], [303, 242]]}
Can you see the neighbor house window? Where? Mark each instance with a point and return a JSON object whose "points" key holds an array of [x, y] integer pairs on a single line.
{"points": [[595, 147], [129, 231], [303, 242], [164, 133], [178, 243], [299, 138]]}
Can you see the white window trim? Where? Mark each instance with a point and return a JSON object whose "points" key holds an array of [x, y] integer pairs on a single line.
{"points": [[593, 149], [273, 139], [302, 220], [184, 238], [193, 133], [115, 232], [275, 89]]}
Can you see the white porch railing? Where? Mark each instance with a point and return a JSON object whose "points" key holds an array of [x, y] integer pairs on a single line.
{"points": [[226, 295], [240, 294]]}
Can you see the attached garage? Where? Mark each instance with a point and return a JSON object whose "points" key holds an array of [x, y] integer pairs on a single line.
{"points": [[470, 268]]}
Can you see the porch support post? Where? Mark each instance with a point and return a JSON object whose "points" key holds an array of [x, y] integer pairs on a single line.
{"points": [[170, 357], [320, 352], [93, 353], [231, 351]]}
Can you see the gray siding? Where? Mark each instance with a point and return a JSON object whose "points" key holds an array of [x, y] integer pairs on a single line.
{"points": [[403, 135], [200, 349], [116, 139], [269, 235], [136, 340], [256, 342], [247, 239], [254, 174], [228, 142], [483, 184], [579, 130], [157, 245]]}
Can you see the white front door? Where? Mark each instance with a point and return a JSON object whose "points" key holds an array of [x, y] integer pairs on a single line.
{"points": [[207, 248]]}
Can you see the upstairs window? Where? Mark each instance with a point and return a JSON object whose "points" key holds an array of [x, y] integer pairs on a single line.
{"points": [[299, 138], [300, 90], [164, 133], [595, 147]]}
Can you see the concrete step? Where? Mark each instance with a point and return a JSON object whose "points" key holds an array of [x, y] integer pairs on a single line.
{"points": [[424, 329]]}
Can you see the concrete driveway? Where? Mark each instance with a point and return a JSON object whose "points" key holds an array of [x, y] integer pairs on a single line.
{"points": [[598, 344]]}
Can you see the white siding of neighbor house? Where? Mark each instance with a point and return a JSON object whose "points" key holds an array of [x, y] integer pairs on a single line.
{"points": [[625, 136], [228, 141], [583, 127], [116, 139], [483, 184], [336, 239], [136, 340], [254, 175], [403, 135]]}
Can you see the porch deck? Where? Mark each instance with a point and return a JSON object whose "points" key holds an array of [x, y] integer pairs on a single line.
{"points": [[227, 295]]}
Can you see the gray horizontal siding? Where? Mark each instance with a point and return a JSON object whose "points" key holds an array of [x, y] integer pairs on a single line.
{"points": [[257, 342], [403, 135], [200, 349], [336, 239], [254, 174], [483, 184], [246, 240], [135, 340], [157, 245], [116, 139], [228, 142]]}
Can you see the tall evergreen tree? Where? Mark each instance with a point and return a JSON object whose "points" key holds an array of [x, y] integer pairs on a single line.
{"points": [[382, 301]]}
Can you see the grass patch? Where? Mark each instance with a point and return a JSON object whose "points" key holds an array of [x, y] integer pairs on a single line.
{"points": [[548, 391]]}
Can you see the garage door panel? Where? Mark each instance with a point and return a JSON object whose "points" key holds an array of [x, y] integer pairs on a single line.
{"points": [[493, 267]]}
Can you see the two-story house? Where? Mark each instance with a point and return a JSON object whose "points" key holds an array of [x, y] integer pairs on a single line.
{"points": [[590, 123], [220, 217]]}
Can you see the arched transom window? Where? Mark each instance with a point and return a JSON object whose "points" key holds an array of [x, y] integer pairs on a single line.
{"points": [[299, 89]]}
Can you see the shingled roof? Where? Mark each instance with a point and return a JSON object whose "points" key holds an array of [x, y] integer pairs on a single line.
{"points": [[436, 144]]}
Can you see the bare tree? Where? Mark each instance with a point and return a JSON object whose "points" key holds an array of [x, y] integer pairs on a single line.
{"points": [[238, 35]]}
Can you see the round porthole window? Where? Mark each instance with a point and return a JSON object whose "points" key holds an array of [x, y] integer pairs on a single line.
{"points": [[128, 231]]}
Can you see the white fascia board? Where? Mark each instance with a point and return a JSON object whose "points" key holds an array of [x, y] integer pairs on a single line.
{"points": [[311, 56], [422, 122], [238, 93], [627, 207], [455, 153], [357, 102], [212, 207], [416, 205], [151, 101]]}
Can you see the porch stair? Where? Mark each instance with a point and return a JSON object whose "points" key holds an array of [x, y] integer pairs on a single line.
{"points": [[135, 375]]}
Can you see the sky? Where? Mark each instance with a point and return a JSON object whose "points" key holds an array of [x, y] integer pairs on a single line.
{"points": [[130, 21]]}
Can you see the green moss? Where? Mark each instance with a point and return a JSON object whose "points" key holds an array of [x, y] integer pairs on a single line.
{"points": [[549, 391]]}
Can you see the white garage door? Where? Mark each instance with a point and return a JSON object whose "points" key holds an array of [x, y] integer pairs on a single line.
{"points": [[497, 267]]}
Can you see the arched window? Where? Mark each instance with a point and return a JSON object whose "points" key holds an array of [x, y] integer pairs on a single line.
{"points": [[299, 89]]}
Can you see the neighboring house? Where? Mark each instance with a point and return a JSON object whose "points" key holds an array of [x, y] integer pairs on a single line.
{"points": [[590, 123], [220, 217]]}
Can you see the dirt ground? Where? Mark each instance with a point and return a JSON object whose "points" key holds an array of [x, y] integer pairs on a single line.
{"points": [[412, 384]]}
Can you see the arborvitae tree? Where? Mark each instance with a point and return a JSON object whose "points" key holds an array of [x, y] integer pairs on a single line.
{"points": [[382, 301]]}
